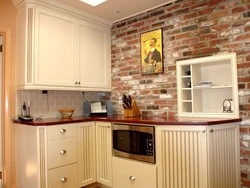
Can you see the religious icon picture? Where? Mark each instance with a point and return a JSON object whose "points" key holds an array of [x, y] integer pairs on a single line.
{"points": [[151, 52]]}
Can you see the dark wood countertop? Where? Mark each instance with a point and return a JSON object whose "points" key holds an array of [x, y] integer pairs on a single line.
{"points": [[135, 120]]}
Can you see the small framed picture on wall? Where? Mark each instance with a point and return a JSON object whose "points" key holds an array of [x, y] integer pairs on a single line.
{"points": [[151, 52]]}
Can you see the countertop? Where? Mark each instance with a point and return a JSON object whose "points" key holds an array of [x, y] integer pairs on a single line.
{"points": [[135, 120]]}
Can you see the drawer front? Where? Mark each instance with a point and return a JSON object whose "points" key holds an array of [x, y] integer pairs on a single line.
{"points": [[128, 173], [62, 152], [63, 177], [61, 131]]}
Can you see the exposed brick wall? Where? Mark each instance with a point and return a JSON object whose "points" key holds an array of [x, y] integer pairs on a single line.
{"points": [[191, 28]]}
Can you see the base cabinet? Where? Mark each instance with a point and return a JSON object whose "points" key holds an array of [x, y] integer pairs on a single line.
{"points": [[133, 174], [198, 156], [68, 155]]}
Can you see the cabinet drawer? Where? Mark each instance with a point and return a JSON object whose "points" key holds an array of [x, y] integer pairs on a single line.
{"points": [[127, 173], [63, 177], [62, 152], [61, 131]]}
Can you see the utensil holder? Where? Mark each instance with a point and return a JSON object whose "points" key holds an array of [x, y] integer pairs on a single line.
{"points": [[133, 112]]}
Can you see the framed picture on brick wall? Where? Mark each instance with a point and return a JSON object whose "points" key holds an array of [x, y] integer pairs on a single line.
{"points": [[151, 52]]}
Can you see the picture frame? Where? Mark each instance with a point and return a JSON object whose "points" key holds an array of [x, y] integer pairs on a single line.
{"points": [[151, 52]]}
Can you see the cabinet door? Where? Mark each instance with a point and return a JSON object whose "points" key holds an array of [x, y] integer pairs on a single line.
{"points": [[86, 153], [224, 156], [134, 174], [104, 153], [181, 156], [94, 56], [55, 47]]}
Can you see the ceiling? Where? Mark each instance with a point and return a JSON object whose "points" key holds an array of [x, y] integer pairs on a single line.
{"points": [[126, 8]]}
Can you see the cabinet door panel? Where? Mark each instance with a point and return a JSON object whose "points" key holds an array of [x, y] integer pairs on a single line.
{"points": [[224, 156], [181, 157], [104, 153], [125, 170], [55, 49], [94, 55], [86, 153]]}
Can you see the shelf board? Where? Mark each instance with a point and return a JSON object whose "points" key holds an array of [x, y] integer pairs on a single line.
{"points": [[186, 100], [188, 76], [213, 87], [186, 88]]}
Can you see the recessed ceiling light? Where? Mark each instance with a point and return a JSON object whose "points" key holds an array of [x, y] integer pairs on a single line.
{"points": [[93, 2]]}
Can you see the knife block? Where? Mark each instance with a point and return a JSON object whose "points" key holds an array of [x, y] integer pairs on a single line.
{"points": [[134, 111]]}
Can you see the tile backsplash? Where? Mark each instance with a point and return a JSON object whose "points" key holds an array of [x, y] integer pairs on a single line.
{"points": [[47, 105]]}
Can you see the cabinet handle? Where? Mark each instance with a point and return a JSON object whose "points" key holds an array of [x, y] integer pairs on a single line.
{"points": [[211, 131], [203, 131], [63, 179], [63, 151], [63, 130], [79, 83], [132, 178], [75, 82], [108, 126]]}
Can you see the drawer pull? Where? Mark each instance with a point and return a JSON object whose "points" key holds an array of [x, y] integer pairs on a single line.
{"points": [[64, 179], [132, 178], [63, 130], [63, 151], [211, 131]]}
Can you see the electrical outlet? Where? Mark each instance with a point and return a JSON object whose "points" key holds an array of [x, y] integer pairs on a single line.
{"points": [[44, 92]]}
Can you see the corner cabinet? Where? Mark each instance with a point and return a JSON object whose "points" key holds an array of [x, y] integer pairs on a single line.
{"points": [[198, 156], [59, 50], [206, 84]]}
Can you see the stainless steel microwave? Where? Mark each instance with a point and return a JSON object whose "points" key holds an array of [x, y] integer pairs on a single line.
{"points": [[134, 142]]}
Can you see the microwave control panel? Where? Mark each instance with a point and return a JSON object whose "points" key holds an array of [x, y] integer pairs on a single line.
{"points": [[150, 147]]}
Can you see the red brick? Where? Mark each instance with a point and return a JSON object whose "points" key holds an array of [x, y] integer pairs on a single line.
{"points": [[247, 28], [184, 35], [219, 14], [243, 65], [133, 42], [146, 28], [245, 182], [238, 9], [229, 5], [243, 37], [122, 74], [190, 40], [200, 6], [245, 153], [243, 130], [209, 50], [215, 2], [221, 27], [206, 11], [188, 16], [174, 7], [233, 46], [208, 36], [198, 45], [244, 175], [188, 3]]}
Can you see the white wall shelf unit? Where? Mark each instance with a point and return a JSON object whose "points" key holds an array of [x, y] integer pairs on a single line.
{"points": [[204, 83]]}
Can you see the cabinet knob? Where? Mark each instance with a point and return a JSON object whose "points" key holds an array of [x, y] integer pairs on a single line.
{"points": [[75, 82], [63, 179], [108, 126], [203, 131], [63, 151], [211, 131], [132, 178], [63, 130], [79, 83]]}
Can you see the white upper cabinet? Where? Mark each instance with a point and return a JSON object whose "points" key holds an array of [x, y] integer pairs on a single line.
{"points": [[61, 50], [94, 62], [208, 87]]}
